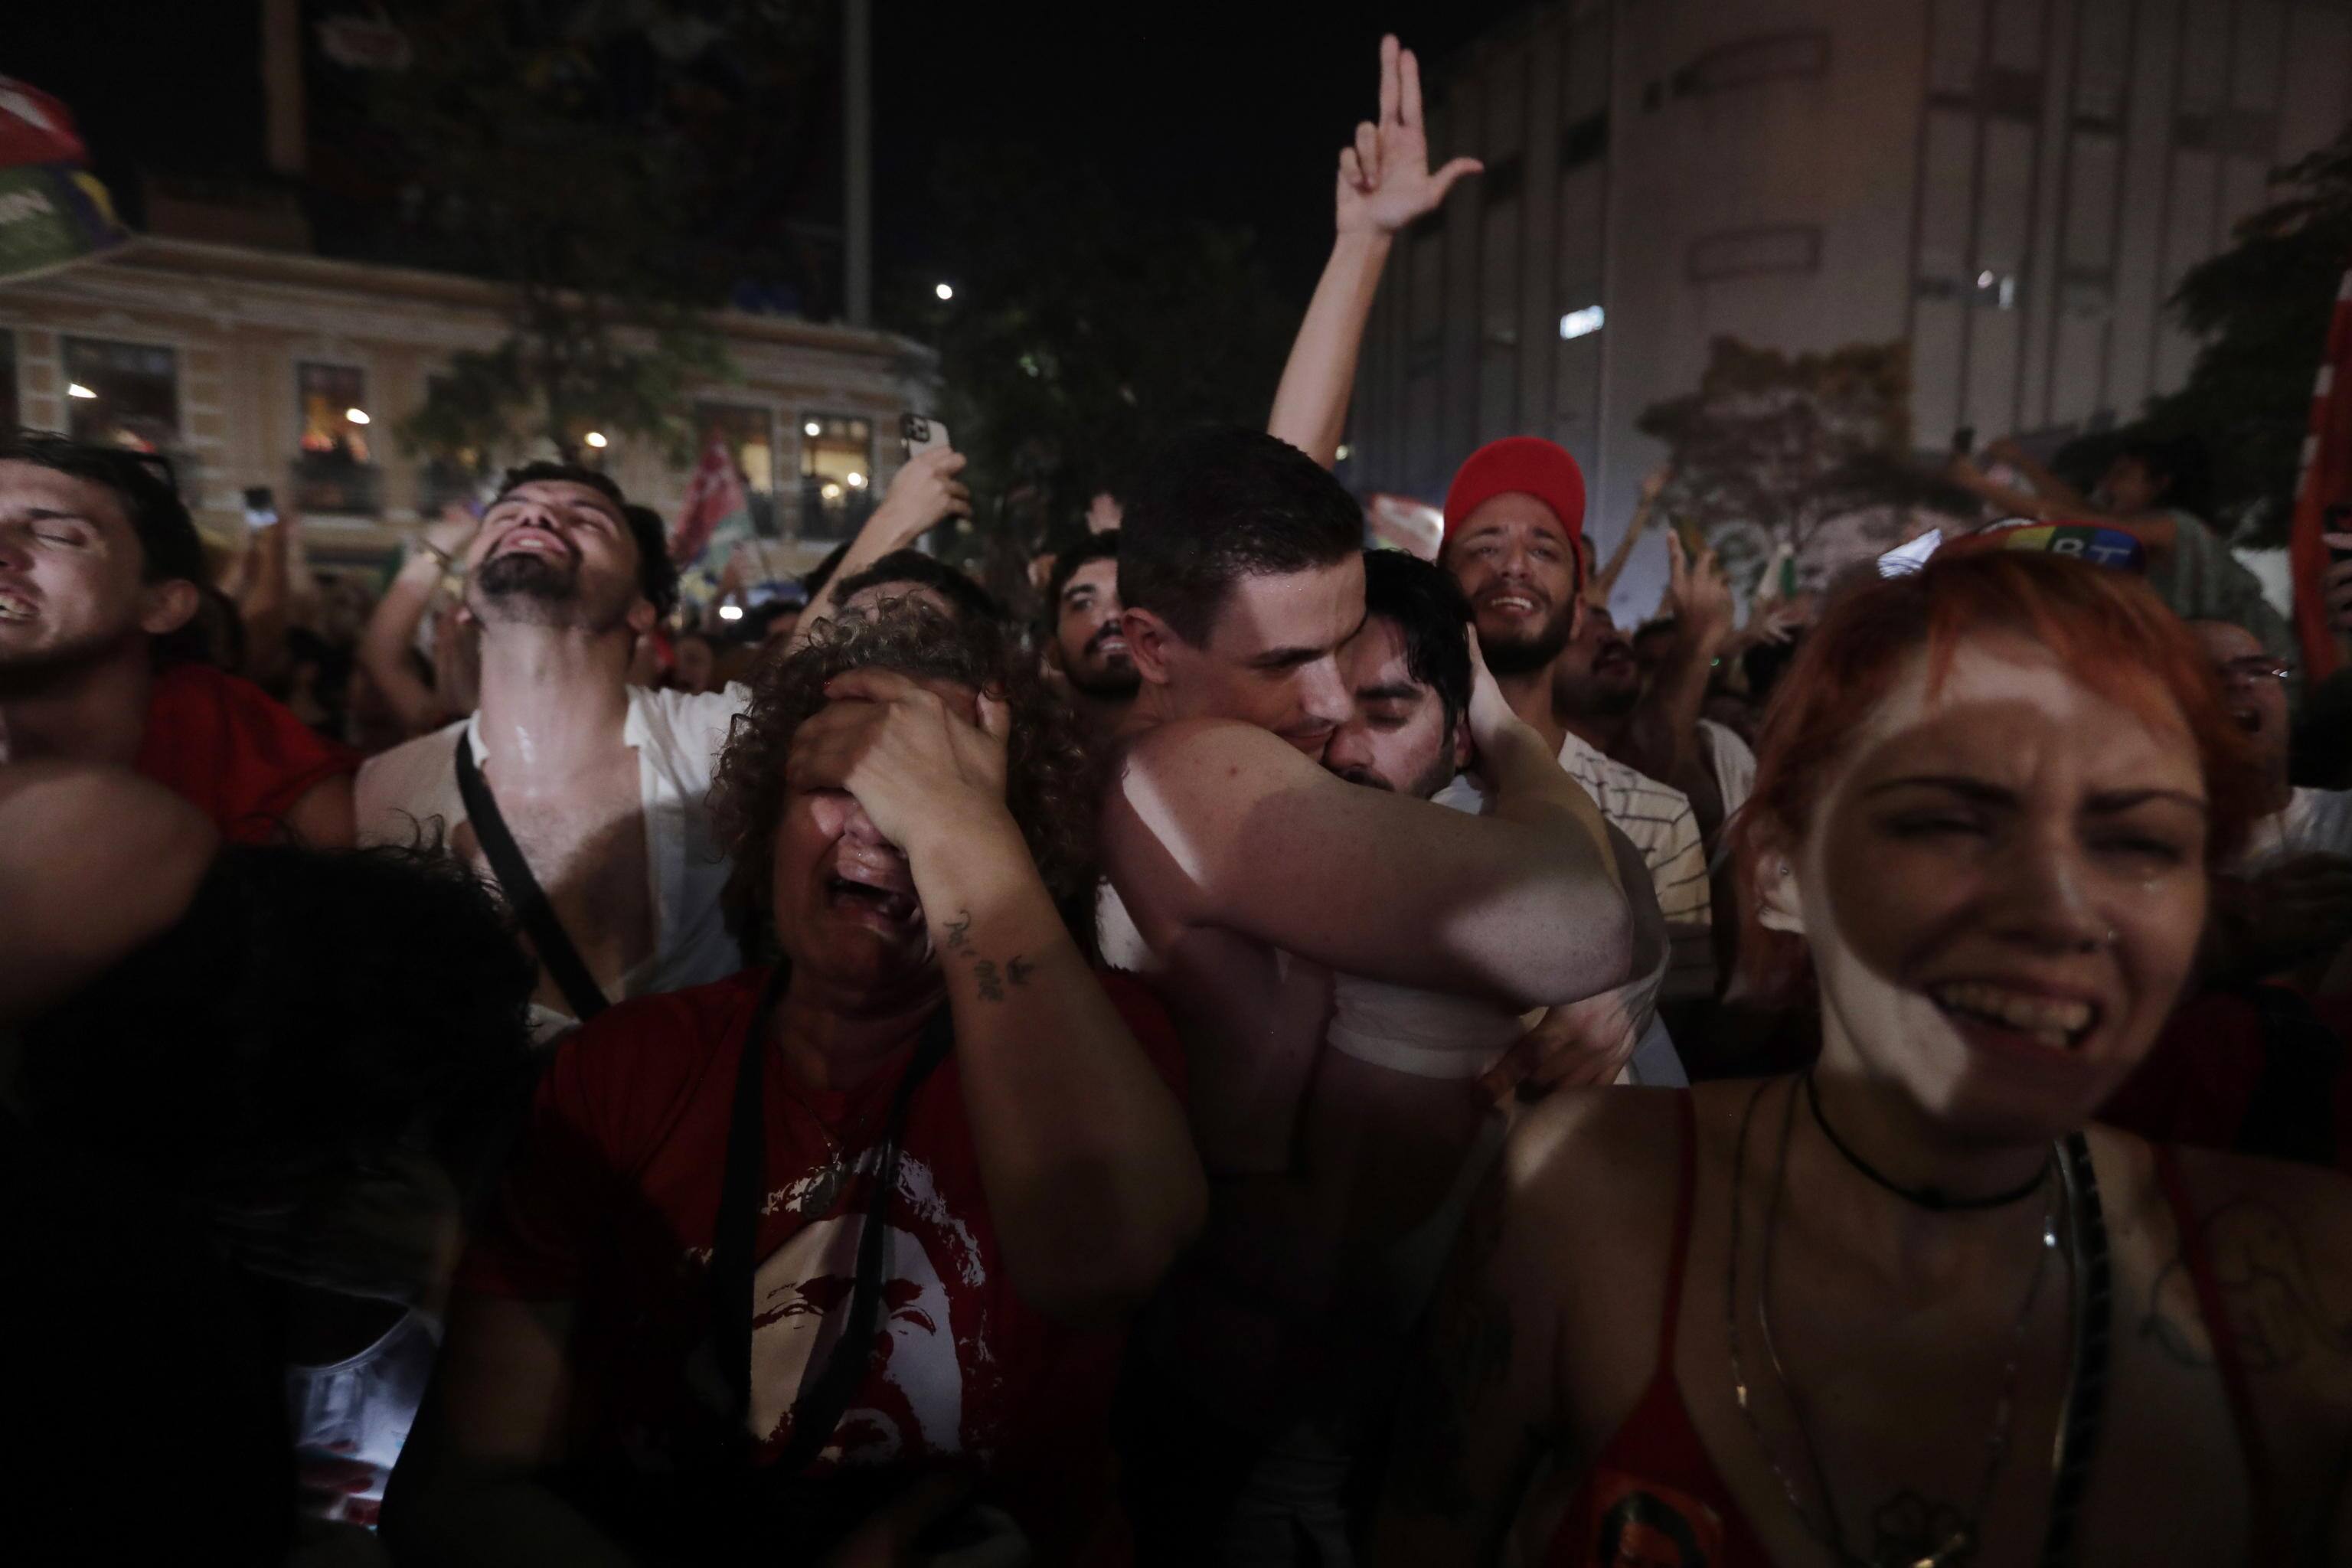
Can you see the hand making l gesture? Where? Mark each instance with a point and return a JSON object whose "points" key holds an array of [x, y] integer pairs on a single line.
{"points": [[1385, 181]]}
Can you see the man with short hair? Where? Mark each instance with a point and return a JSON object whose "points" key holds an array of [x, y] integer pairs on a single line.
{"points": [[1244, 876], [101, 573], [583, 794], [1086, 643]]}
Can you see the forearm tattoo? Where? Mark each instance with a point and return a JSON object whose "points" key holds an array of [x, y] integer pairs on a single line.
{"points": [[1462, 1357], [2281, 1321], [955, 936]]}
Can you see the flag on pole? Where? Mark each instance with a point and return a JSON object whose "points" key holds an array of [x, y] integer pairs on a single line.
{"points": [[52, 212], [2326, 482], [715, 517]]}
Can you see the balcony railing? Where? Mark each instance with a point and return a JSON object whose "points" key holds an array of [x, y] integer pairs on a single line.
{"points": [[323, 482]]}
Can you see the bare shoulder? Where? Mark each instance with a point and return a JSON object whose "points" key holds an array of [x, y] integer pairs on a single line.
{"points": [[2279, 1237], [1186, 748], [397, 787], [1586, 1157]]}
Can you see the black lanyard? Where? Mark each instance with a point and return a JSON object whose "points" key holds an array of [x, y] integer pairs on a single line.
{"points": [[562, 960], [735, 1239]]}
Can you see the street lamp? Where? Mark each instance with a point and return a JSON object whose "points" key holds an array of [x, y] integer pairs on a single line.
{"points": [[78, 390], [944, 291], [595, 439], [356, 415], [731, 612]]}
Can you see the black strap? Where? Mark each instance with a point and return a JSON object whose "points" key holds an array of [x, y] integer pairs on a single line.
{"points": [[562, 960], [823, 1400]]}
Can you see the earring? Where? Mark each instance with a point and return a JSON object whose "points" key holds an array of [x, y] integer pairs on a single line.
{"points": [[1784, 868]]}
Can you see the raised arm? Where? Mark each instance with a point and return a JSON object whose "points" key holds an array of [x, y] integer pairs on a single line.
{"points": [[1226, 826], [1604, 581], [2045, 483], [268, 598], [921, 495], [391, 629], [1085, 1153], [1384, 184], [1663, 740]]}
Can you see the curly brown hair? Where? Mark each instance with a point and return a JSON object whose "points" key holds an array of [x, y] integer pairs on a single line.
{"points": [[1051, 778]]}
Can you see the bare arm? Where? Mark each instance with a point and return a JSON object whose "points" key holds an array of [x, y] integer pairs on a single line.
{"points": [[93, 862], [392, 631], [922, 493], [1477, 1400], [1384, 184], [468, 1489], [1092, 1181], [325, 818], [1604, 581], [1224, 824], [266, 599], [1663, 740]]}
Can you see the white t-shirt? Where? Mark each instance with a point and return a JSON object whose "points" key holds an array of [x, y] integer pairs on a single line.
{"points": [[1662, 825], [677, 737], [2315, 822]]}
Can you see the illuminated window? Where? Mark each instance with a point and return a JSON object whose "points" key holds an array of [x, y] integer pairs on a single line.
{"points": [[334, 467], [133, 393], [836, 475]]}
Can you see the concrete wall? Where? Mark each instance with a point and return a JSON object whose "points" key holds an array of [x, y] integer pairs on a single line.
{"points": [[2014, 185]]}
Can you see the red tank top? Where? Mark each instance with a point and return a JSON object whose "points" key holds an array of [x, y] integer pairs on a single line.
{"points": [[1654, 1477]]}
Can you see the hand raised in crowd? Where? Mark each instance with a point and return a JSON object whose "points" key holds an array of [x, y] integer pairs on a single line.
{"points": [[1698, 597], [1385, 182], [917, 763], [1654, 483], [1491, 715], [2336, 583], [1583, 1042], [449, 540], [921, 495]]}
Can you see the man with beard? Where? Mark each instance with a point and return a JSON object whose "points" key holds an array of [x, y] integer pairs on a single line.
{"points": [[582, 793], [1087, 645], [1514, 526], [101, 578]]}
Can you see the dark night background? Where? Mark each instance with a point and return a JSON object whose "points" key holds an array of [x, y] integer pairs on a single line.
{"points": [[1232, 114]]}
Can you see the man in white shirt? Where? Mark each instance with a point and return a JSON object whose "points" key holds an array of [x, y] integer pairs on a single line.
{"points": [[2288, 901], [600, 785]]}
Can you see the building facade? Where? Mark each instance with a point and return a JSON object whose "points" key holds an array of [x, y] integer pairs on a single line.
{"points": [[254, 367], [2012, 186]]}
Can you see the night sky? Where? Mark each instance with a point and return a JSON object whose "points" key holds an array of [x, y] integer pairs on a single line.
{"points": [[1232, 112]]}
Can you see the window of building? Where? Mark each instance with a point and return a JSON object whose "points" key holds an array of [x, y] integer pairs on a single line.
{"points": [[836, 474], [335, 466], [456, 476], [10, 415], [123, 394], [749, 433]]}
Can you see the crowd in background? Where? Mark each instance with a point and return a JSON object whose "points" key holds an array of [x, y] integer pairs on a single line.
{"points": [[1233, 1049]]}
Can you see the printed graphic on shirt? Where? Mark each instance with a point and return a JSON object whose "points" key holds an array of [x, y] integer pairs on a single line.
{"points": [[928, 1339], [1641, 1525]]}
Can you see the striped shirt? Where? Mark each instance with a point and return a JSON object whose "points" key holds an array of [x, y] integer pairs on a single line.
{"points": [[1662, 825]]}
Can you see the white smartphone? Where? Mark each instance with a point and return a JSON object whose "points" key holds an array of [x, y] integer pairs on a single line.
{"points": [[261, 507], [922, 434]]}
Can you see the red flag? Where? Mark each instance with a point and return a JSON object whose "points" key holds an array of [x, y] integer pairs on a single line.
{"points": [[2326, 482], [712, 496]]}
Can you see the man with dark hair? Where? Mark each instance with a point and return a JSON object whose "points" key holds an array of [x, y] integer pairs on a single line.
{"points": [[912, 575], [1085, 640], [1243, 876], [101, 576], [582, 793]]}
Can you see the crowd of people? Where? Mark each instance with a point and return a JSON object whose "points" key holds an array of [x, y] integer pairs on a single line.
{"points": [[1277, 1057]]}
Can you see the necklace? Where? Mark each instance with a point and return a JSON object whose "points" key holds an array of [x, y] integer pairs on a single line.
{"points": [[1909, 1532], [1927, 1197]]}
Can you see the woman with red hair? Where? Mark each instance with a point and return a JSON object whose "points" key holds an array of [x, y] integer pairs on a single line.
{"points": [[1908, 1307]]}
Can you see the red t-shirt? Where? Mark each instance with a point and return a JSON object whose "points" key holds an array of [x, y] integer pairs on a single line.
{"points": [[225, 744], [611, 1203]]}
